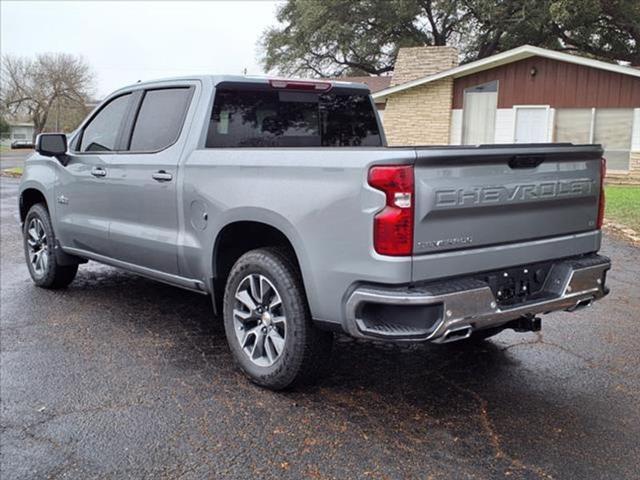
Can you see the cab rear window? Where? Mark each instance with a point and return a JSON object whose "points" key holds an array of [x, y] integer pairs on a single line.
{"points": [[258, 117]]}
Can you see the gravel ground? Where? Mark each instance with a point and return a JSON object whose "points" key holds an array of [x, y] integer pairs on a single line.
{"points": [[119, 376]]}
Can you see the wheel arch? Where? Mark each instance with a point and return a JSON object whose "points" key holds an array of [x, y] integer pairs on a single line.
{"points": [[32, 193], [239, 236], [29, 196]]}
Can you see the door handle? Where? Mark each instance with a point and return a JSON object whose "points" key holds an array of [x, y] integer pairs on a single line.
{"points": [[98, 172], [162, 176]]}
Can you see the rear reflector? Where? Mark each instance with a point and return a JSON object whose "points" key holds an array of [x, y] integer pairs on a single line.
{"points": [[300, 85], [601, 203], [393, 225]]}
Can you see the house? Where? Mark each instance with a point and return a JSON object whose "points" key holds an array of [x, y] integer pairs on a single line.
{"points": [[375, 84], [18, 130], [524, 95]]}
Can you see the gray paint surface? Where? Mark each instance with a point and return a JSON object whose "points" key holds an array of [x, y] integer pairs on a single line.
{"points": [[319, 199]]}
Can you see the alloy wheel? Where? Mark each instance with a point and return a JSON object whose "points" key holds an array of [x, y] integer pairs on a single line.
{"points": [[259, 320], [38, 247]]}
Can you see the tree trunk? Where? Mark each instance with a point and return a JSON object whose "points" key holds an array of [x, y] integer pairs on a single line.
{"points": [[38, 126]]}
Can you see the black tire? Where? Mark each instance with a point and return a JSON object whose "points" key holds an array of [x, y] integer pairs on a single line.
{"points": [[52, 275], [307, 349]]}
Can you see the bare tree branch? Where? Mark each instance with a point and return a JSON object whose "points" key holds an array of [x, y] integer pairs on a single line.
{"points": [[32, 87]]}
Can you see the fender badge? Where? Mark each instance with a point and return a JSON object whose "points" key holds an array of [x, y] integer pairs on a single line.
{"points": [[63, 200]]}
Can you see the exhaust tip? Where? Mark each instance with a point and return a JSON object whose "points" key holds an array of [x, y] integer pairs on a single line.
{"points": [[580, 304], [455, 334]]}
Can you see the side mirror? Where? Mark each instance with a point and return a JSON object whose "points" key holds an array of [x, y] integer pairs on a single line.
{"points": [[52, 145]]}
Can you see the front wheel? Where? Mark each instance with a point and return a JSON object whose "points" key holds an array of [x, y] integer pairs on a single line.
{"points": [[268, 324], [39, 241]]}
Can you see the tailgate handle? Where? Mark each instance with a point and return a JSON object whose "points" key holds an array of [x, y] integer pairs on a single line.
{"points": [[525, 161]]}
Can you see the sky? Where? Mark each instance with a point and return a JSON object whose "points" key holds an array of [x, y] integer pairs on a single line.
{"points": [[129, 41]]}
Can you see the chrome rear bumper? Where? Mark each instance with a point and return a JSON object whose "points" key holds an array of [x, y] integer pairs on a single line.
{"points": [[458, 307]]}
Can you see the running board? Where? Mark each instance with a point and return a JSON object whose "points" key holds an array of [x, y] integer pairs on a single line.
{"points": [[168, 278]]}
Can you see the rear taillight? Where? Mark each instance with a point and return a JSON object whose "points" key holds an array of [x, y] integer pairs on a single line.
{"points": [[601, 203], [393, 225]]}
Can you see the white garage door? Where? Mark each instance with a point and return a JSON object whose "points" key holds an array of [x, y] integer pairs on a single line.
{"points": [[479, 114]]}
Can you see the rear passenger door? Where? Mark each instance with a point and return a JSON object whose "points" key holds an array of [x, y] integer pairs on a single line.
{"points": [[143, 227]]}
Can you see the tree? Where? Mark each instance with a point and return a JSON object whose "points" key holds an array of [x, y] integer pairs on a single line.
{"points": [[338, 37], [4, 126], [500, 25], [33, 88], [606, 29]]}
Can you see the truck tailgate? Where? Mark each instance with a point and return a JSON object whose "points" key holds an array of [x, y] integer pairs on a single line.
{"points": [[469, 197]]}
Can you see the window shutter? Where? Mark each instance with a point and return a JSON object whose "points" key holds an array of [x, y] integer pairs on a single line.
{"points": [[573, 125], [613, 130]]}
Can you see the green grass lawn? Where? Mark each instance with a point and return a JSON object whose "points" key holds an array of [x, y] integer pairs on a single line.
{"points": [[623, 205], [13, 172]]}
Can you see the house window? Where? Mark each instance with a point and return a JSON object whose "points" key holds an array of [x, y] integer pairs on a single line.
{"points": [[573, 125], [532, 124], [479, 114], [19, 136], [612, 129]]}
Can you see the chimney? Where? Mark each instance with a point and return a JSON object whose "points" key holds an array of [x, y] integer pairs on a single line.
{"points": [[418, 62]]}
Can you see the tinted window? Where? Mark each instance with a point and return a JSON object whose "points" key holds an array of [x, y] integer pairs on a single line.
{"points": [[160, 119], [101, 134], [268, 118]]}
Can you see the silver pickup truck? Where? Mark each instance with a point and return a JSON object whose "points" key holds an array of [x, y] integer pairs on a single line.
{"points": [[281, 200]]}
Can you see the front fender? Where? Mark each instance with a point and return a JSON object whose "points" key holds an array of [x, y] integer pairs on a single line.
{"points": [[40, 173]]}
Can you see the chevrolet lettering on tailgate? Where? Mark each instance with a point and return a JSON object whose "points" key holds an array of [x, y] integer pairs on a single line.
{"points": [[452, 197]]}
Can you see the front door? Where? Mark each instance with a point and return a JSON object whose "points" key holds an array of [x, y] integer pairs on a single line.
{"points": [[142, 183], [479, 114], [532, 125], [83, 196]]}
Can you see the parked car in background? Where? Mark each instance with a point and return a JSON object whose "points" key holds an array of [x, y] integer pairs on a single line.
{"points": [[280, 200], [16, 144]]}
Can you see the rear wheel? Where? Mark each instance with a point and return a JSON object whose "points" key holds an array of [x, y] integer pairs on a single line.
{"points": [[39, 240], [268, 324]]}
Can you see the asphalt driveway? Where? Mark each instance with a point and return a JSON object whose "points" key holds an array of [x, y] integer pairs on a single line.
{"points": [[119, 376]]}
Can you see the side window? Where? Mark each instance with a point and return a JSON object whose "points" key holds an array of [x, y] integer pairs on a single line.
{"points": [[101, 134], [160, 119]]}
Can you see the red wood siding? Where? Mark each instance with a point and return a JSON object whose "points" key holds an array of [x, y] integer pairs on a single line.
{"points": [[558, 84]]}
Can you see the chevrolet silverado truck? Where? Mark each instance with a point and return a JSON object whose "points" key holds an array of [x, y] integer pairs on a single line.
{"points": [[281, 200]]}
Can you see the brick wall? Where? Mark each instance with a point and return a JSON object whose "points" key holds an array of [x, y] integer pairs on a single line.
{"points": [[420, 115], [417, 62]]}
